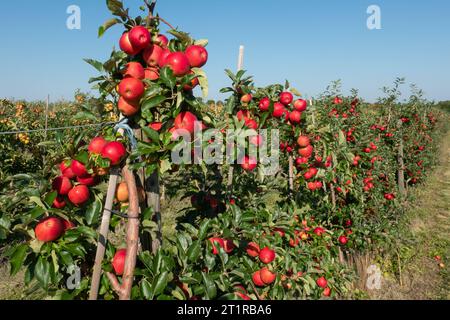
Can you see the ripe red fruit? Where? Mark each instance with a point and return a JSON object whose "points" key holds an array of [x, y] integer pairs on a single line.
{"points": [[131, 89], [152, 55], [140, 37], [253, 249], [338, 100], [300, 105], [301, 161], [151, 74], [312, 186], [59, 202], [79, 195], [114, 151], [266, 255], [66, 171], [308, 175], [286, 98], [327, 292], [126, 46], [251, 124], [179, 63], [194, 82], [118, 262], [303, 141], [215, 241], [62, 185], [49, 229], [343, 240], [257, 279], [319, 231], [162, 40], [197, 56], [264, 104], [186, 120], [293, 242], [87, 180], [278, 110], [96, 145], [243, 296], [280, 231], [243, 115], [163, 57], [306, 152], [68, 224], [128, 108], [228, 245], [78, 168], [267, 276], [246, 98], [322, 282], [249, 163], [155, 126], [295, 116], [134, 70], [319, 185], [256, 140]]}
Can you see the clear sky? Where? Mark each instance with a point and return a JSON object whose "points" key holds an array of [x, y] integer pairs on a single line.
{"points": [[310, 43]]}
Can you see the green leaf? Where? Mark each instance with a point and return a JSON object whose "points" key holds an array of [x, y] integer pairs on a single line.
{"points": [[151, 134], [152, 103], [146, 289], [159, 284], [165, 166], [201, 42], [96, 64], [182, 36], [210, 286], [85, 115], [194, 251], [93, 212], [82, 157], [203, 80], [17, 258], [38, 201], [108, 24], [42, 272], [50, 197], [203, 229], [167, 77], [296, 92]]}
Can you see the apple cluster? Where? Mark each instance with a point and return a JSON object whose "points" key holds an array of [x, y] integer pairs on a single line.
{"points": [[73, 185], [156, 54]]}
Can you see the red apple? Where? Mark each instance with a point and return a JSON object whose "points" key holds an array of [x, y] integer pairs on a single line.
{"points": [[134, 70], [303, 141], [343, 240], [279, 110], [186, 120], [251, 124], [228, 245], [68, 224], [87, 180], [286, 98], [246, 98], [128, 108], [78, 168], [266, 255], [253, 249], [155, 126], [327, 292], [194, 82], [197, 56], [140, 37], [215, 241], [295, 116], [126, 46], [151, 74], [256, 278], [243, 115], [114, 151], [319, 231], [267, 276], [322, 282], [62, 185], [66, 171], [152, 55], [163, 57], [96, 145], [131, 89], [179, 63], [162, 41], [300, 105], [306, 152], [264, 104], [79, 195], [49, 229], [249, 163], [59, 202], [118, 262]]}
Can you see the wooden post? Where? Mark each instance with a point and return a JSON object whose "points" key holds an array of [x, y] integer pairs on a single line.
{"points": [[333, 196], [124, 289], [291, 175], [231, 169], [103, 236]]}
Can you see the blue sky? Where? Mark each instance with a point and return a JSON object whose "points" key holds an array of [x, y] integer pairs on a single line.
{"points": [[311, 43]]}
